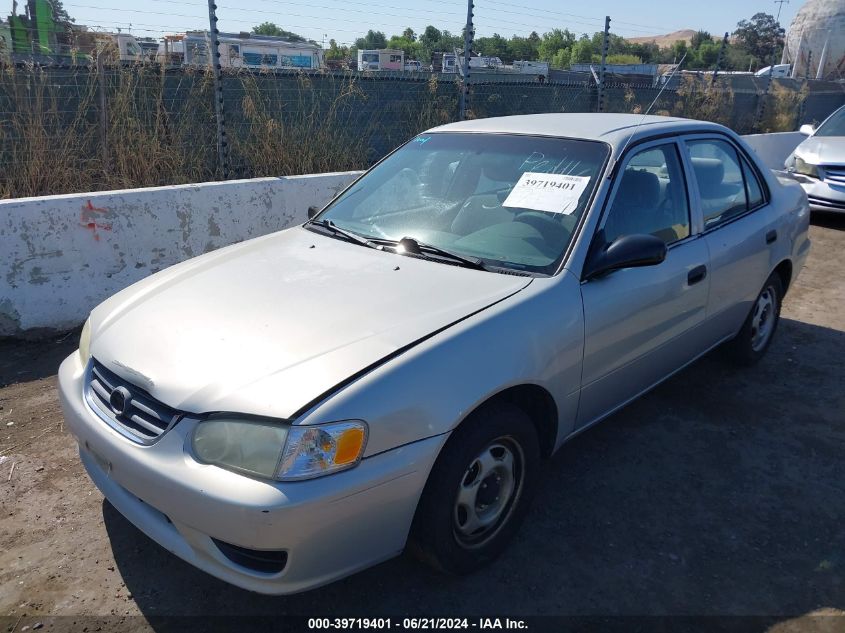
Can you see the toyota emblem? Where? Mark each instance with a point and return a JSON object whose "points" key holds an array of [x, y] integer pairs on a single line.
{"points": [[119, 400]]}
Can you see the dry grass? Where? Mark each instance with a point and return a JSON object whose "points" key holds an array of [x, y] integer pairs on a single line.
{"points": [[160, 125], [700, 99], [305, 134], [44, 143], [782, 108], [52, 141]]}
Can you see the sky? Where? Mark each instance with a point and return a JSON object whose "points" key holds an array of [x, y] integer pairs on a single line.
{"points": [[345, 20]]}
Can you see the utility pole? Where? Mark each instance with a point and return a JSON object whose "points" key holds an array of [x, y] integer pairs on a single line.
{"points": [[104, 113], [761, 110], [719, 58], [468, 35], [605, 44], [780, 4], [222, 142]]}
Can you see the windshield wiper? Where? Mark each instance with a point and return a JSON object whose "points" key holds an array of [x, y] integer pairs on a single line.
{"points": [[415, 247], [335, 229]]}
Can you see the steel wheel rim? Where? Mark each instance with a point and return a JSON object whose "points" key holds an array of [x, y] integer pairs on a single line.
{"points": [[763, 318], [487, 492]]}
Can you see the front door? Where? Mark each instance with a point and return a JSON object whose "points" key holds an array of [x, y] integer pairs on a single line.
{"points": [[641, 323]]}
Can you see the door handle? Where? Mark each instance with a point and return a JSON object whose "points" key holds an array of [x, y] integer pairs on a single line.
{"points": [[771, 236], [696, 274]]}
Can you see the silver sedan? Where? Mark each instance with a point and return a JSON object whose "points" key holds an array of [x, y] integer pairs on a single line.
{"points": [[289, 410], [818, 163]]}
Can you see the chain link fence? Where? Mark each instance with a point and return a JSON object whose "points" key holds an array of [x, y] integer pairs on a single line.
{"points": [[88, 128]]}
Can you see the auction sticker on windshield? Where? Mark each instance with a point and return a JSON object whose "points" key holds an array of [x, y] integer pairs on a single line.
{"points": [[556, 193]]}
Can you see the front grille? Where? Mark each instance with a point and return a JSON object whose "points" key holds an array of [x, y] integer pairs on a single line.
{"points": [[134, 413], [824, 203], [834, 174]]}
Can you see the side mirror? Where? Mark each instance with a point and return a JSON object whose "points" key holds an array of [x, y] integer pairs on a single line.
{"points": [[628, 251], [312, 211], [807, 129]]}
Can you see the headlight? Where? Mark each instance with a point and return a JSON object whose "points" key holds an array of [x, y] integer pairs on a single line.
{"points": [[312, 451], [803, 167], [273, 450], [85, 342]]}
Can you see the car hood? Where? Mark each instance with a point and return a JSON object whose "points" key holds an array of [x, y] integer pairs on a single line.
{"points": [[268, 326], [823, 150]]}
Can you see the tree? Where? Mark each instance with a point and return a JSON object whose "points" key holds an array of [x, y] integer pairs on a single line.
{"points": [[679, 49], [699, 38], [582, 51], [60, 14], [495, 46], [524, 48], [373, 40], [337, 52], [649, 52], [409, 34], [269, 28], [411, 48], [561, 58], [707, 54], [432, 39], [760, 37], [430, 36], [553, 41]]}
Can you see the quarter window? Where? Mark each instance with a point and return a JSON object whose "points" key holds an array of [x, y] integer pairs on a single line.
{"points": [[752, 186], [721, 185], [651, 197]]}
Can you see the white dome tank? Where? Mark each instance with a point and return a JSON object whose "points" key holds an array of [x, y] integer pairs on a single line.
{"points": [[818, 24]]}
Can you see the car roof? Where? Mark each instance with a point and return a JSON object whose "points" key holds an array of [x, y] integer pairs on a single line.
{"points": [[615, 129]]}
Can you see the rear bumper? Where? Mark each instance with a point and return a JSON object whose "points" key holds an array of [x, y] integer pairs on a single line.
{"points": [[328, 527]]}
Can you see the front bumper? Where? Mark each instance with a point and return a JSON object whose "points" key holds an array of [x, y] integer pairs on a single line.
{"points": [[822, 195], [329, 527]]}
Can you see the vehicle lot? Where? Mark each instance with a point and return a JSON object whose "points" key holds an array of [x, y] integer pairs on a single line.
{"points": [[721, 492]]}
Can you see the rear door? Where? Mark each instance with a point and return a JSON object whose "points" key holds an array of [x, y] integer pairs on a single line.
{"points": [[641, 324], [739, 227]]}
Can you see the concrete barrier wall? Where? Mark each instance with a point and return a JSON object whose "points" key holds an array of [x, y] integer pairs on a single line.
{"points": [[774, 148], [61, 255]]}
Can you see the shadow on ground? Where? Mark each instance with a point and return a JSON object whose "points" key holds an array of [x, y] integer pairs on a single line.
{"points": [[721, 492], [828, 220], [25, 360]]}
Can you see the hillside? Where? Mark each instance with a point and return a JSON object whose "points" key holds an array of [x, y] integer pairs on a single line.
{"points": [[664, 41]]}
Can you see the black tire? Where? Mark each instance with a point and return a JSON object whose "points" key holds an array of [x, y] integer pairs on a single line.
{"points": [[746, 348], [440, 533]]}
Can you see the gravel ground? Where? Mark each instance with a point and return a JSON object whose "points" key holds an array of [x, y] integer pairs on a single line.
{"points": [[719, 493]]}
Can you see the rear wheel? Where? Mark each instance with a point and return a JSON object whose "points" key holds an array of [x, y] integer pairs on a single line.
{"points": [[757, 332], [479, 490]]}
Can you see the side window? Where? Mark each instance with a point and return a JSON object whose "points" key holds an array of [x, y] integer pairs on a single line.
{"points": [[721, 185], [752, 186], [651, 197]]}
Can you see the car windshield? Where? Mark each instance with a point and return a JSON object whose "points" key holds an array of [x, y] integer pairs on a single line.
{"points": [[834, 126], [511, 201]]}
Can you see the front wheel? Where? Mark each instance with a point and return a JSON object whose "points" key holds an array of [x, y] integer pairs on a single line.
{"points": [[757, 332], [479, 490]]}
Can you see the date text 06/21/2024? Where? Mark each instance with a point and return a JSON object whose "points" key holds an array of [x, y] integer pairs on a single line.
{"points": [[422, 623]]}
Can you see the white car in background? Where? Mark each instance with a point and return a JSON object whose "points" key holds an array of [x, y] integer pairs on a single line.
{"points": [[818, 163]]}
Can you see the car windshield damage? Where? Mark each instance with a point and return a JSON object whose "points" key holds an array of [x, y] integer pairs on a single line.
{"points": [[485, 201]]}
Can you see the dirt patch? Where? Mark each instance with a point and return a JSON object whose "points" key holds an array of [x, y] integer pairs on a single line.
{"points": [[721, 492]]}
